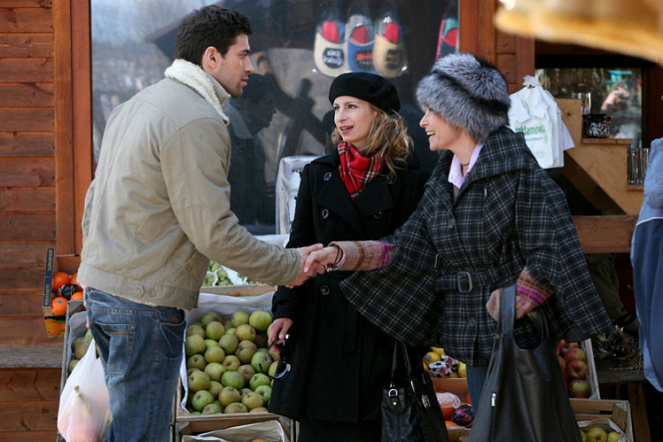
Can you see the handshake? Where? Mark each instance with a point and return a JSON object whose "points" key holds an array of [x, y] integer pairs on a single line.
{"points": [[315, 260]]}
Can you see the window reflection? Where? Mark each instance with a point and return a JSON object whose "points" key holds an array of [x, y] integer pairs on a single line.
{"points": [[298, 47]]}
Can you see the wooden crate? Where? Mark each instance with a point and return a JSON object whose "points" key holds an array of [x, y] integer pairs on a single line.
{"points": [[618, 411], [55, 325]]}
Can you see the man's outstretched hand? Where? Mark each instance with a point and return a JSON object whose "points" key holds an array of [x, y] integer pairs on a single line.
{"points": [[311, 270]]}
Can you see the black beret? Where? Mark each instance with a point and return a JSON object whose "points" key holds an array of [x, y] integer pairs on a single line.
{"points": [[368, 87]]}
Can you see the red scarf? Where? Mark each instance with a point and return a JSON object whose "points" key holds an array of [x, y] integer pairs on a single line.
{"points": [[356, 170]]}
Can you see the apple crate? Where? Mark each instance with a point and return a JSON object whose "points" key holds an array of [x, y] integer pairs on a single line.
{"points": [[592, 378], [590, 411], [55, 325]]}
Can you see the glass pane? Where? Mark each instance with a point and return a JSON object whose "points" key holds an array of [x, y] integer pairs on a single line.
{"points": [[612, 91], [300, 45]]}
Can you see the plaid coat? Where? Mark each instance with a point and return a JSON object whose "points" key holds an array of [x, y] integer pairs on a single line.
{"points": [[451, 255]]}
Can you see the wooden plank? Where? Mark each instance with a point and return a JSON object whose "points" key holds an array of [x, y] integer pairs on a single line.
{"points": [[506, 63], [26, 20], [524, 59], [24, 254], [33, 172], [29, 436], [64, 154], [26, 94], [506, 43], [38, 384], [27, 3], [24, 331], [26, 45], [469, 25], [605, 234], [28, 416], [21, 304], [636, 397], [22, 144], [26, 70], [27, 199], [26, 120], [26, 227], [27, 279], [82, 111], [611, 141]]}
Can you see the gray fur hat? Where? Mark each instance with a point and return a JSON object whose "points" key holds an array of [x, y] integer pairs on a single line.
{"points": [[469, 93]]}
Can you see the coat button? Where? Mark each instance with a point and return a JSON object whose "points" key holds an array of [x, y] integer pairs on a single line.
{"points": [[452, 223], [327, 176], [152, 293], [138, 291], [325, 213], [324, 290], [472, 322], [378, 215]]}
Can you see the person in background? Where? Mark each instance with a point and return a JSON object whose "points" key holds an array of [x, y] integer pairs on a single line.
{"points": [[490, 217], [335, 363], [249, 114], [647, 260], [157, 211]]}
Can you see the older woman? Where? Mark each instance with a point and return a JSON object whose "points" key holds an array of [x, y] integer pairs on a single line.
{"points": [[490, 216], [335, 363]]}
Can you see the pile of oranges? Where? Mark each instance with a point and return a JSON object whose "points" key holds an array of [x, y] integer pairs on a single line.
{"points": [[59, 302]]}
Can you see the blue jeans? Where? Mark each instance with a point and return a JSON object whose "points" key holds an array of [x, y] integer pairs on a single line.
{"points": [[141, 350], [476, 377]]}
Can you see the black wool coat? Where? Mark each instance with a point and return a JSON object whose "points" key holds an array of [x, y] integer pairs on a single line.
{"points": [[340, 361], [452, 253]]}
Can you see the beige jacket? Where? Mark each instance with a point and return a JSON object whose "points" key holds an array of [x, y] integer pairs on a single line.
{"points": [[159, 206]]}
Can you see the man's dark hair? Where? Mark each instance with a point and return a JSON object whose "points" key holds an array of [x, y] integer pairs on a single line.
{"points": [[209, 26]]}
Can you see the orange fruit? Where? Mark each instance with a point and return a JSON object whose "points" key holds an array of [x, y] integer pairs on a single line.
{"points": [[59, 306], [60, 279], [447, 412], [74, 280], [78, 296]]}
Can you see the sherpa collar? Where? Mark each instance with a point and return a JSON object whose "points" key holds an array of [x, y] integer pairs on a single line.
{"points": [[196, 78]]}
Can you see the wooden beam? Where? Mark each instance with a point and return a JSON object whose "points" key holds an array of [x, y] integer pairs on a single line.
{"points": [[26, 45], [26, 19], [64, 156], [22, 144], [26, 331], [605, 234], [27, 3], [29, 436], [24, 254], [28, 416], [23, 120], [21, 304], [27, 199], [26, 94], [27, 172], [30, 384], [25, 227]]}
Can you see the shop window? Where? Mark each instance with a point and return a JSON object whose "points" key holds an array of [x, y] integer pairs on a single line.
{"points": [[300, 46]]}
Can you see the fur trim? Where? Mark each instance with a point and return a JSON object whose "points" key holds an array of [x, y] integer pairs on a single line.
{"points": [[196, 78], [468, 93]]}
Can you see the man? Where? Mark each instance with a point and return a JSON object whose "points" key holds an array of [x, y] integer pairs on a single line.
{"points": [[157, 211], [249, 114]]}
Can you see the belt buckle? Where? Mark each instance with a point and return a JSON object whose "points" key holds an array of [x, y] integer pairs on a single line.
{"points": [[469, 282]]}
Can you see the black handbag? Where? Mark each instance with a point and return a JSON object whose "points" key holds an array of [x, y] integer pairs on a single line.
{"points": [[524, 396], [410, 411]]}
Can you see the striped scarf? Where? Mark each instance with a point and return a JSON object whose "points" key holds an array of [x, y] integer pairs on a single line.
{"points": [[356, 170]]}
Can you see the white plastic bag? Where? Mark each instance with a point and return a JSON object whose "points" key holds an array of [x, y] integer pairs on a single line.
{"points": [[534, 113], [85, 413], [271, 430]]}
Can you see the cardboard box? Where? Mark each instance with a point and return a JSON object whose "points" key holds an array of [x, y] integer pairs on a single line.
{"points": [[55, 325], [594, 412]]}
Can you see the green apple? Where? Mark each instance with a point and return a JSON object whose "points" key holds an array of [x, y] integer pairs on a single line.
{"points": [[235, 407], [233, 379], [214, 370], [229, 395], [212, 409], [88, 336], [230, 331], [196, 361], [247, 371], [228, 324], [196, 413], [245, 332], [201, 399], [252, 400], [584, 435], [272, 369], [73, 362], [274, 355], [194, 344], [215, 330], [265, 391], [231, 362], [198, 380], [196, 329], [239, 317], [261, 339], [245, 351], [215, 388], [229, 343], [597, 434], [243, 392], [209, 317], [258, 410], [211, 343], [613, 436], [261, 362], [260, 320], [214, 354], [81, 349], [191, 370], [257, 380]]}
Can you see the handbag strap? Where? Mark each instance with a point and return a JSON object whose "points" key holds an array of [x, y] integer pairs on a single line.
{"points": [[508, 314], [394, 361]]}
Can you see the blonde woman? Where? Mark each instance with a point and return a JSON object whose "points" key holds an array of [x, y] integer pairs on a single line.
{"points": [[335, 363]]}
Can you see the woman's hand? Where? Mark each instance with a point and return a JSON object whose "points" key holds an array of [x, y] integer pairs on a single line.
{"points": [[322, 257], [278, 331]]}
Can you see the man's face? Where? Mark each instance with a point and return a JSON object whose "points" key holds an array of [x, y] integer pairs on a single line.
{"points": [[233, 70]]}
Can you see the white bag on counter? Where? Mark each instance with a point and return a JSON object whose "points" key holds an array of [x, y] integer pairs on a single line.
{"points": [[535, 113], [287, 187], [270, 430]]}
